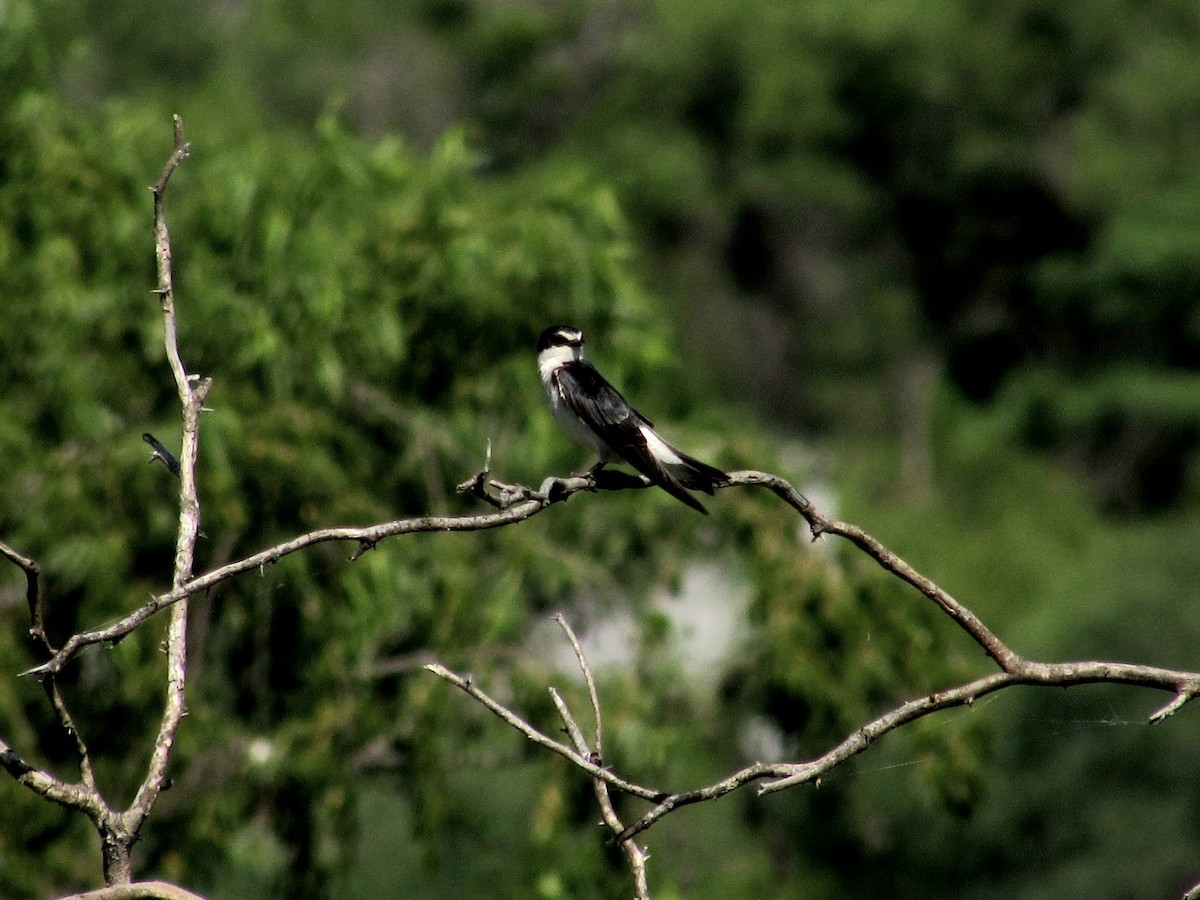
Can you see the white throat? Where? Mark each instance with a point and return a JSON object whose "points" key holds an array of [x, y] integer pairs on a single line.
{"points": [[552, 359]]}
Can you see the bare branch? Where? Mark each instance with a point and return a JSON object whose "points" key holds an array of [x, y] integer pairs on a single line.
{"points": [[191, 397], [37, 630], [362, 536], [86, 772], [465, 684], [634, 854], [571, 727], [864, 737], [519, 502], [140, 890], [180, 152], [73, 796], [820, 525], [1174, 706], [1014, 671], [118, 831], [162, 251], [588, 679], [672, 802], [514, 503], [789, 775], [33, 596]]}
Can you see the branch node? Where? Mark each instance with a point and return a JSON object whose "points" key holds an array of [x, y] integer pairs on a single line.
{"points": [[1177, 702], [13, 764], [365, 545], [477, 484]]}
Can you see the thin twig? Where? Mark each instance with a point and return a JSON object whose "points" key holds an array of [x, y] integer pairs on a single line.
{"points": [[634, 854], [37, 631], [570, 726], [1174, 706], [465, 684], [86, 773], [33, 594], [589, 680]]}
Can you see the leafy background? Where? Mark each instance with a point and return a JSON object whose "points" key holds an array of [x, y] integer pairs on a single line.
{"points": [[938, 266]]}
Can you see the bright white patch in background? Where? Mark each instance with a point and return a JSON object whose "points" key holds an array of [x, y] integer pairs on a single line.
{"points": [[706, 618], [707, 615], [260, 751], [761, 740], [706, 621]]}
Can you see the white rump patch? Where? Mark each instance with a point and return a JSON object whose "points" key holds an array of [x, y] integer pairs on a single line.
{"points": [[660, 448]]}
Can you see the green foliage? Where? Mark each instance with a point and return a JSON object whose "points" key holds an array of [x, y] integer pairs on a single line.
{"points": [[957, 243], [987, 186], [367, 316]]}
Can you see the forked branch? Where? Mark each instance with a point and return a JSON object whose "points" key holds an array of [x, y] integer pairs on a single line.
{"points": [[119, 829], [780, 776], [512, 503], [635, 856], [1014, 670]]}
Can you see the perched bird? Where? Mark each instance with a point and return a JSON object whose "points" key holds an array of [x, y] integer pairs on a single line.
{"points": [[595, 414]]}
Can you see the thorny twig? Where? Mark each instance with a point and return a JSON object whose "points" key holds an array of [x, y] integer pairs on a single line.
{"points": [[119, 829]]}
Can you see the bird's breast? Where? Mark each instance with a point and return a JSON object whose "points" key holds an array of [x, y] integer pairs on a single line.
{"points": [[578, 430]]}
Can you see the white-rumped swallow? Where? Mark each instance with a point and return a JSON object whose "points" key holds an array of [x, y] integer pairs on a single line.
{"points": [[595, 414]]}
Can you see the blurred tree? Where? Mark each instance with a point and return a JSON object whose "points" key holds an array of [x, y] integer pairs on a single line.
{"points": [[940, 239], [891, 196], [368, 317], [886, 192]]}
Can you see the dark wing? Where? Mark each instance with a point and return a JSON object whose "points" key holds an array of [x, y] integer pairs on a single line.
{"points": [[699, 476], [589, 395]]}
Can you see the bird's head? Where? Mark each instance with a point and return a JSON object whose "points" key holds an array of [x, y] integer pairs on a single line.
{"points": [[558, 345], [561, 336]]}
